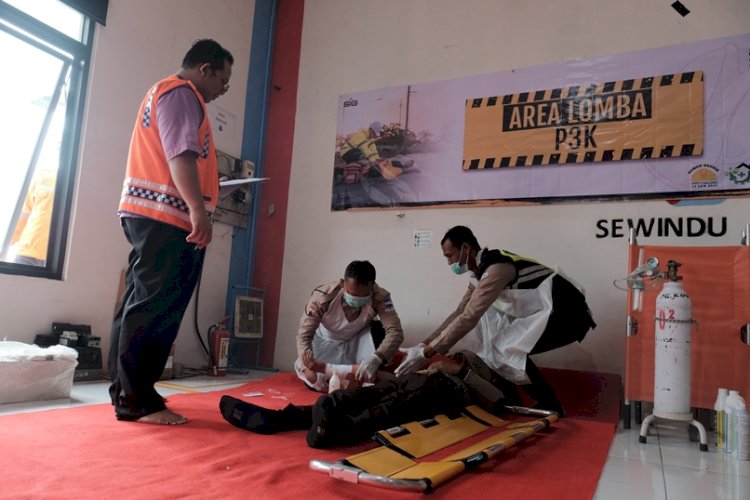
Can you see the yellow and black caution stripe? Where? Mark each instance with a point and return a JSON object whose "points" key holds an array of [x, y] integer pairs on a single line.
{"points": [[643, 118]]}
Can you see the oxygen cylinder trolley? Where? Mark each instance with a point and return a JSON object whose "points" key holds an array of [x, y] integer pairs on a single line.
{"points": [[673, 326]]}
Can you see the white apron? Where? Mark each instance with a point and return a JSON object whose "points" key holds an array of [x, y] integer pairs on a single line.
{"points": [[339, 341], [510, 329]]}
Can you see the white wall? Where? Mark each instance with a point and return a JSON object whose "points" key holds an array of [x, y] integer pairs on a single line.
{"points": [[351, 46], [142, 42]]}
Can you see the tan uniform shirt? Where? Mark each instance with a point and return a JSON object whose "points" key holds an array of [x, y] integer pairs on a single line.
{"points": [[473, 305], [381, 302]]}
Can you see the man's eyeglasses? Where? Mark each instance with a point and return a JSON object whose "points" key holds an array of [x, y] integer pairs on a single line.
{"points": [[224, 83]]}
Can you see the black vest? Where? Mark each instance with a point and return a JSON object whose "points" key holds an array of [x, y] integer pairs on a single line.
{"points": [[529, 273]]}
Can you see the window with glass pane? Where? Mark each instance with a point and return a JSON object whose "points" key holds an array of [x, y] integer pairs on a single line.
{"points": [[48, 45]]}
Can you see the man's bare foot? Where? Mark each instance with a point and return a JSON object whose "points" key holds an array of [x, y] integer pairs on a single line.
{"points": [[164, 417]]}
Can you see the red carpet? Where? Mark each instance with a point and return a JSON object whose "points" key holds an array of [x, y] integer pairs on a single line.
{"points": [[85, 453]]}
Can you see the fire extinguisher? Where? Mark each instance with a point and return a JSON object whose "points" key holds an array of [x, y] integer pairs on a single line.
{"points": [[218, 343]]}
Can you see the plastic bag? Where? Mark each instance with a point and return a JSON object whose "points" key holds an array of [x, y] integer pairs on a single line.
{"points": [[31, 373]]}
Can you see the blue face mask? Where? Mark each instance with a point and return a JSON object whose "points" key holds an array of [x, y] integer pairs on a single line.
{"points": [[356, 302], [457, 268]]}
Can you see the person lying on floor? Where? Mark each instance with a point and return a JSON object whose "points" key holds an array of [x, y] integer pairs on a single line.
{"points": [[348, 416]]}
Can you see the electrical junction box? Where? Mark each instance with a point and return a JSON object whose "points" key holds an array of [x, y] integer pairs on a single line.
{"points": [[234, 201], [248, 317]]}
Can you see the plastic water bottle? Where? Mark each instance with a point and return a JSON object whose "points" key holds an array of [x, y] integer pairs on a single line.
{"points": [[334, 384], [742, 437], [732, 404], [719, 417]]}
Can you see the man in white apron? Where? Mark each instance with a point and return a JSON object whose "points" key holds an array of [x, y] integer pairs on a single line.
{"points": [[339, 329], [514, 307]]}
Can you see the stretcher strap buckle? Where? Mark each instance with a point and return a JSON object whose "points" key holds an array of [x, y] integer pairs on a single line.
{"points": [[345, 473]]}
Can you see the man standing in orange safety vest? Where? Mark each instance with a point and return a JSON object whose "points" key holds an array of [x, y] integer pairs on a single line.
{"points": [[170, 191]]}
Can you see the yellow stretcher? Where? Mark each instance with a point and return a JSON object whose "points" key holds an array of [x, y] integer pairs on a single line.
{"points": [[393, 465]]}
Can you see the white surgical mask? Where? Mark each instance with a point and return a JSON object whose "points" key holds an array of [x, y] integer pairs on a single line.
{"points": [[456, 267], [356, 302]]}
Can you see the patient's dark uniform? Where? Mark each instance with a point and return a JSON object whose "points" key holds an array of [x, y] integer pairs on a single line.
{"points": [[351, 415]]}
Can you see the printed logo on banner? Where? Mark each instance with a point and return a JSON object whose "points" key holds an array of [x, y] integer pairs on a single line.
{"points": [[704, 176], [350, 103], [739, 174]]}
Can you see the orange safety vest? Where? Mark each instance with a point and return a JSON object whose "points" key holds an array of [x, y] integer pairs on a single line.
{"points": [[31, 236], [148, 189]]}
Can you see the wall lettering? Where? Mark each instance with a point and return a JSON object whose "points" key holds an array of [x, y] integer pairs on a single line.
{"points": [[662, 227]]}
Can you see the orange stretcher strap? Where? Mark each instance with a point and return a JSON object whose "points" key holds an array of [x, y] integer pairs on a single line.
{"points": [[436, 472], [504, 439], [485, 416], [382, 461], [419, 439]]}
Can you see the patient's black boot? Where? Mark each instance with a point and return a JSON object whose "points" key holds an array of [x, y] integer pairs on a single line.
{"points": [[263, 420], [322, 432]]}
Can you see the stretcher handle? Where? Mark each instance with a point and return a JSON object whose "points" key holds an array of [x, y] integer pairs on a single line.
{"points": [[522, 410], [338, 470]]}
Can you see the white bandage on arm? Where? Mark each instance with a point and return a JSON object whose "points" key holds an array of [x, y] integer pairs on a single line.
{"points": [[342, 370]]}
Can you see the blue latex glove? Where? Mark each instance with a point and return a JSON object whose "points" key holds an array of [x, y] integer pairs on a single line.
{"points": [[368, 368], [414, 360]]}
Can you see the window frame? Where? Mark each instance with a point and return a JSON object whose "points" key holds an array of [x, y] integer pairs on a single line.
{"points": [[78, 55]]}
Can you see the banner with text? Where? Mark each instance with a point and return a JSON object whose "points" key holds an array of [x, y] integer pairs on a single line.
{"points": [[669, 123], [641, 118]]}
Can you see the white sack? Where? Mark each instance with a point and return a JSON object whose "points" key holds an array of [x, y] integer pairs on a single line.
{"points": [[31, 373]]}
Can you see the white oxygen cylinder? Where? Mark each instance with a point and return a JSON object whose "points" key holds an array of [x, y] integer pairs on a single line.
{"points": [[674, 322]]}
